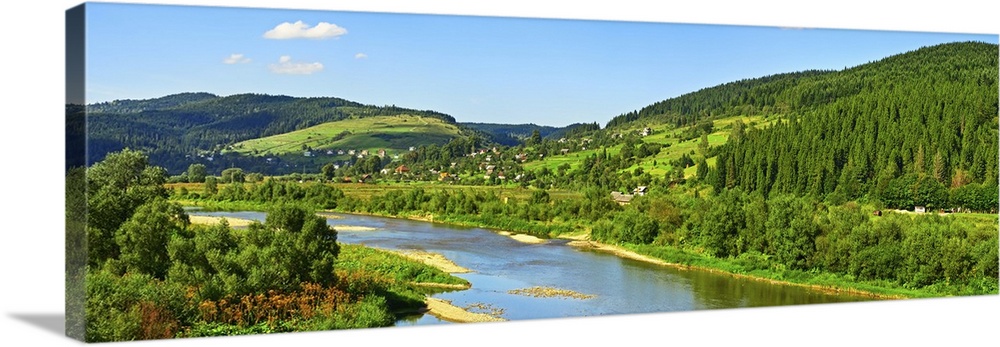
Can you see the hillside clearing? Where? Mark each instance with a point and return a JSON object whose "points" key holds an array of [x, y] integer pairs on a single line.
{"points": [[368, 133]]}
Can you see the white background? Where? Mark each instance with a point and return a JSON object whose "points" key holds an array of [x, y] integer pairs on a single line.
{"points": [[31, 164]]}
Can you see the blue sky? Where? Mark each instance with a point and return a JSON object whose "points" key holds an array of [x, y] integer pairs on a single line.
{"points": [[477, 69]]}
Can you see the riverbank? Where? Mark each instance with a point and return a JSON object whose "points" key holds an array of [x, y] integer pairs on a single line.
{"points": [[352, 228], [630, 254], [621, 252], [433, 259], [666, 256], [581, 240], [443, 309], [211, 220], [525, 238]]}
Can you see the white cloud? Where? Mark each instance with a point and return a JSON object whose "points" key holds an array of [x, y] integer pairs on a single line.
{"points": [[299, 30], [360, 56], [286, 66], [236, 58]]}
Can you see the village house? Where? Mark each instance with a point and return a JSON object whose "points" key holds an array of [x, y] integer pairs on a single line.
{"points": [[564, 151], [621, 199], [381, 153], [640, 190], [646, 131], [402, 169], [364, 178]]}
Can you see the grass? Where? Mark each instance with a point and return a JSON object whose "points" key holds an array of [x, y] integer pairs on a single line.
{"points": [[384, 263], [371, 133], [399, 268], [574, 159], [664, 134]]}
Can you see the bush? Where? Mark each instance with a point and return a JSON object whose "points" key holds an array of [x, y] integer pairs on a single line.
{"points": [[134, 307]]}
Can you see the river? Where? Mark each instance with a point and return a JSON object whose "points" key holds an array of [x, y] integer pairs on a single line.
{"points": [[500, 264]]}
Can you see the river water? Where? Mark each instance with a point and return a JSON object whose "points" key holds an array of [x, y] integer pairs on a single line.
{"points": [[500, 264]]}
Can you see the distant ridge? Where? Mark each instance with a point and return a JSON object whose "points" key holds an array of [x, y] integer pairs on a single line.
{"points": [[174, 127], [800, 91]]}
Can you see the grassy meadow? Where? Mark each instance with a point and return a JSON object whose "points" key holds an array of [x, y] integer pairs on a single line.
{"points": [[370, 133]]}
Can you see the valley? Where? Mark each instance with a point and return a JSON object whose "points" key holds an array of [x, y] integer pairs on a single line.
{"points": [[877, 181]]}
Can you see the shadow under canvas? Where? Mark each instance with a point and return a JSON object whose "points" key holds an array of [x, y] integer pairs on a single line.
{"points": [[51, 322]]}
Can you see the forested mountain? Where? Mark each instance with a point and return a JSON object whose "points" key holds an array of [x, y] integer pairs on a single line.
{"points": [[925, 120], [513, 134], [913, 129], [133, 106], [918, 122], [801, 91], [931, 112], [175, 126], [769, 94]]}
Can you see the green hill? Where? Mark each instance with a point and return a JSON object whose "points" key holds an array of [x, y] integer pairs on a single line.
{"points": [[918, 123], [371, 133], [174, 129], [513, 134]]}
